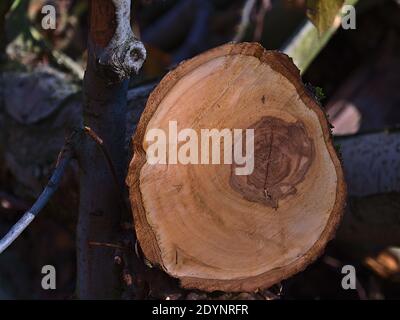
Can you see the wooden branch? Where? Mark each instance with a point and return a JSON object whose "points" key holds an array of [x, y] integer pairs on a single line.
{"points": [[211, 228], [43, 199], [372, 170], [192, 15], [118, 53], [197, 37], [114, 55], [371, 163], [245, 20]]}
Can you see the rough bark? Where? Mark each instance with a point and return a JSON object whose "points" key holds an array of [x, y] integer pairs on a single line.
{"points": [[372, 170], [213, 229], [371, 163], [114, 55]]}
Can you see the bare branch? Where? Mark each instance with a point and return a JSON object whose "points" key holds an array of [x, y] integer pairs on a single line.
{"points": [[371, 163], [43, 199], [114, 54], [245, 21], [124, 55], [260, 17]]}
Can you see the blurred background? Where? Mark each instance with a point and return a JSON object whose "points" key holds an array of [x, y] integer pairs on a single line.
{"points": [[355, 73]]}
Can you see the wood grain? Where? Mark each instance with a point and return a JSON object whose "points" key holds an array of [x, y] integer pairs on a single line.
{"points": [[217, 231]]}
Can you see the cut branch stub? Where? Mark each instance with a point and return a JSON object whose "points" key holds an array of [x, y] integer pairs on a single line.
{"points": [[204, 223], [119, 54]]}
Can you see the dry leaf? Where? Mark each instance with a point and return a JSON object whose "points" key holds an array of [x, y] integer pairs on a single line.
{"points": [[322, 13]]}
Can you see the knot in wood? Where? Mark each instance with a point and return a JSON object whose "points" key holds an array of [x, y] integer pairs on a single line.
{"points": [[122, 59], [119, 54], [283, 153]]}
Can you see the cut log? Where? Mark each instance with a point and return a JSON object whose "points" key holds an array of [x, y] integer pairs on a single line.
{"points": [[211, 228]]}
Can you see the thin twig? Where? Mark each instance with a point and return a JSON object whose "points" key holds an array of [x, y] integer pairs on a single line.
{"points": [[59, 57], [27, 218], [106, 245], [64, 60], [245, 20], [260, 17]]}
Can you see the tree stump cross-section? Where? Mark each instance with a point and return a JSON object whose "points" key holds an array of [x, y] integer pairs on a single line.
{"points": [[208, 226]]}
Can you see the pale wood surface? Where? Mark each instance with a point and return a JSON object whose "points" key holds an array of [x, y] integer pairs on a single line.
{"points": [[214, 230]]}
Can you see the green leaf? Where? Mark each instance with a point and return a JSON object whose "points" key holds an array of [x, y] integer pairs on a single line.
{"points": [[322, 13]]}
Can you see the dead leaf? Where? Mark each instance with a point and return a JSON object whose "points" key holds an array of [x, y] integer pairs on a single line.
{"points": [[322, 13]]}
